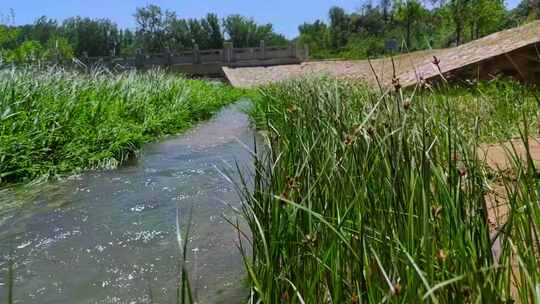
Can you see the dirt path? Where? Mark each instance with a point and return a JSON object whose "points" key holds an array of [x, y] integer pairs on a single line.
{"points": [[496, 155], [499, 158]]}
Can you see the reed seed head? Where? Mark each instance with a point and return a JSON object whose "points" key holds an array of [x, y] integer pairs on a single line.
{"points": [[396, 84], [292, 109], [285, 296], [436, 211], [463, 172], [407, 104], [397, 289], [357, 129], [441, 255], [349, 140], [354, 298]]}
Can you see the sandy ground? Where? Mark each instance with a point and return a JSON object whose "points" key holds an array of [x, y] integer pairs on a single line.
{"points": [[364, 70]]}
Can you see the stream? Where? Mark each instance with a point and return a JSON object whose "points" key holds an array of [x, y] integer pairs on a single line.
{"points": [[110, 236]]}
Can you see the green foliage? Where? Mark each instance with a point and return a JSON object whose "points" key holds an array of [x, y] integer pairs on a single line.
{"points": [[28, 51], [43, 30], [360, 197], [206, 33], [339, 27], [409, 14], [363, 47], [488, 16], [212, 28], [7, 36], [316, 36], [93, 37], [59, 48], [54, 122], [152, 23], [527, 10], [245, 32], [157, 30], [410, 24]]}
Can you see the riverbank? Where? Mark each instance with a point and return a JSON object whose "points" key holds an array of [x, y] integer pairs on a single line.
{"points": [[55, 122], [363, 198]]}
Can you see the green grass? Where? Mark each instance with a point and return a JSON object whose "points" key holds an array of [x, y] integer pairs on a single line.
{"points": [[363, 198], [54, 121]]}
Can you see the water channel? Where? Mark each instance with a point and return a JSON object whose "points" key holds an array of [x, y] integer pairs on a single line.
{"points": [[110, 236]]}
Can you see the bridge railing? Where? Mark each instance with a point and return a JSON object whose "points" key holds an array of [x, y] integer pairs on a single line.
{"points": [[192, 61], [228, 56]]}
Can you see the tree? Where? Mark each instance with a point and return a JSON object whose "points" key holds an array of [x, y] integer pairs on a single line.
{"points": [[205, 32], [127, 42], [29, 50], [421, 23], [245, 32], [459, 14], [212, 28], [94, 37], [197, 33], [369, 21], [386, 7], [266, 32], [486, 16], [409, 13], [241, 31], [152, 24], [58, 48], [8, 36], [156, 30], [339, 27], [180, 34], [44, 29], [316, 36], [527, 10]]}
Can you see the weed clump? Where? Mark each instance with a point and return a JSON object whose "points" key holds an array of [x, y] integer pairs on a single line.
{"points": [[55, 121]]}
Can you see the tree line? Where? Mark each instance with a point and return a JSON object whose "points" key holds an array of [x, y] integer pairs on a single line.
{"points": [[388, 26], [156, 30], [391, 26]]}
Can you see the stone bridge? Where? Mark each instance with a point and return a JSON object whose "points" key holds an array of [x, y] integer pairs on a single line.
{"points": [[209, 63]]}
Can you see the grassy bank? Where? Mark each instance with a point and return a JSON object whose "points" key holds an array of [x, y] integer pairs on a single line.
{"points": [[54, 122], [363, 198]]}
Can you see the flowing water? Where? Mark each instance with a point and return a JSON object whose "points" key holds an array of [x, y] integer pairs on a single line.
{"points": [[110, 237]]}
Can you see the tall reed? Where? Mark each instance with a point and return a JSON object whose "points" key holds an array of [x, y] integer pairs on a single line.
{"points": [[55, 121], [363, 197]]}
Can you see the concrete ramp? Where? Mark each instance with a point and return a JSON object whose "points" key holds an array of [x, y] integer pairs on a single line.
{"points": [[514, 52]]}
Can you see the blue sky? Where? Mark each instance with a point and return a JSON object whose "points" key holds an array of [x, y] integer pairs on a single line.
{"points": [[286, 15]]}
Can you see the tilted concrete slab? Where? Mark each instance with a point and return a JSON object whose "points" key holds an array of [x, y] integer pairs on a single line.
{"points": [[511, 52]]}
